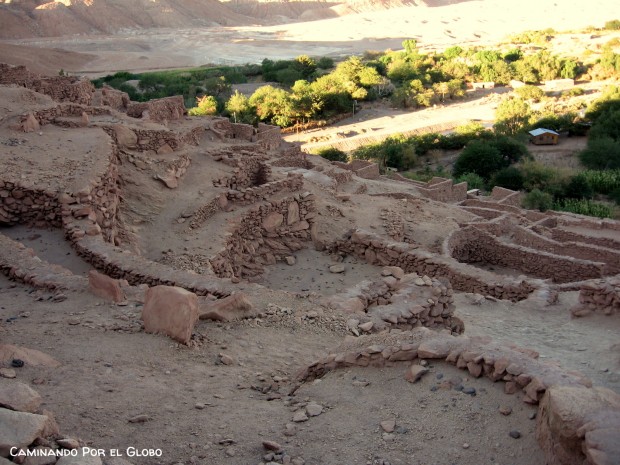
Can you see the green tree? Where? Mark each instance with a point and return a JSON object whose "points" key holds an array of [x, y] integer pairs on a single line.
{"points": [[333, 154], [305, 65], [480, 158], [539, 200], [410, 46], [510, 178], [601, 154], [530, 93], [239, 107], [205, 106], [512, 116], [273, 105]]}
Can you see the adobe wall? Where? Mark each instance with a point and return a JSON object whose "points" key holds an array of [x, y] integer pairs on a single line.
{"points": [[64, 110], [472, 245], [377, 250], [362, 168], [266, 234], [444, 190], [506, 196], [341, 176], [562, 235], [243, 131], [599, 296], [159, 110]]}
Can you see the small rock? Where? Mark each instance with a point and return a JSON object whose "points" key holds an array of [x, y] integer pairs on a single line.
{"points": [[73, 321], [68, 443], [230, 451], [199, 406], [226, 359], [366, 326], [532, 416], [505, 410], [7, 373], [272, 445], [465, 445], [360, 383], [314, 410], [290, 430], [300, 416], [290, 260], [514, 434], [336, 269], [469, 390], [401, 430], [388, 437], [388, 426], [415, 373], [17, 363], [139, 419]]}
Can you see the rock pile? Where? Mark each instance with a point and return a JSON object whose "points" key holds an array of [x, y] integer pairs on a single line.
{"points": [[599, 296], [398, 300]]}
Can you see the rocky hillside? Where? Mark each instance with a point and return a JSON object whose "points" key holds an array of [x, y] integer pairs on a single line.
{"points": [[40, 18]]}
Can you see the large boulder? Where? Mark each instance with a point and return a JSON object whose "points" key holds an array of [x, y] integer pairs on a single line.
{"points": [[18, 396], [172, 311], [563, 411], [233, 307], [19, 429], [105, 287]]}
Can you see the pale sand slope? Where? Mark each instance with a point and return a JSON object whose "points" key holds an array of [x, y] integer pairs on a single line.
{"points": [[468, 23]]}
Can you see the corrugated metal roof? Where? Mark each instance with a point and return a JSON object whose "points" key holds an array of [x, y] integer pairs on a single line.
{"points": [[539, 131]]}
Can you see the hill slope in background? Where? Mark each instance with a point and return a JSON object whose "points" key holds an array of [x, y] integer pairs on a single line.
{"points": [[32, 18], [22, 19]]}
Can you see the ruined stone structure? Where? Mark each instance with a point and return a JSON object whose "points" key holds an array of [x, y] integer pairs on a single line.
{"points": [[257, 205]]}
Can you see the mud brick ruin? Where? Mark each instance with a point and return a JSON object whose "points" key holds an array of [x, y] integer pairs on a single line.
{"points": [[256, 200]]}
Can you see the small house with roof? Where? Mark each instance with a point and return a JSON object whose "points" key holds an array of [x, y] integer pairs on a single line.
{"points": [[542, 136]]}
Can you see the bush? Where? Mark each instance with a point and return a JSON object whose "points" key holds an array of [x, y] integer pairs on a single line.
{"points": [[530, 93], [473, 181], [205, 106], [538, 200], [583, 207], [333, 154], [612, 25], [603, 181], [601, 154], [578, 188], [510, 178], [481, 158]]}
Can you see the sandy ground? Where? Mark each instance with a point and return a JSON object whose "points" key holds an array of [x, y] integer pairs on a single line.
{"points": [[200, 411], [466, 23]]}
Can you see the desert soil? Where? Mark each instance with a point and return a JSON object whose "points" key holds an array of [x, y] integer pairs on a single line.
{"points": [[199, 410]]}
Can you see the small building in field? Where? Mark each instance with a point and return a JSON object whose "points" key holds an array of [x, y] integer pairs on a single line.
{"points": [[542, 136]]}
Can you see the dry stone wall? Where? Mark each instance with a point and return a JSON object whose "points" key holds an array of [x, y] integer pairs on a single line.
{"points": [[158, 110], [472, 245], [398, 300], [377, 250], [599, 296], [292, 183], [59, 88], [266, 234]]}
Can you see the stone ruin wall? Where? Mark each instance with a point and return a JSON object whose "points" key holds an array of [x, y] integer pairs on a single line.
{"points": [[398, 300], [292, 183], [471, 245], [95, 206], [59, 88], [362, 168], [113, 98], [563, 235], [340, 176], [269, 136], [439, 189], [159, 110], [67, 110], [600, 297], [377, 250], [249, 172], [266, 234], [505, 196]]}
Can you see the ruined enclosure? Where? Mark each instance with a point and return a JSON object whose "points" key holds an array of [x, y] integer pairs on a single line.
{"points": [[238, 219]]}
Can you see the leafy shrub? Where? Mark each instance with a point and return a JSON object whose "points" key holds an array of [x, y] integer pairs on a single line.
{"points": [[603, 181], [578, 188], [481, 158], [530, 93], [539, 200], [584, 207], [333, 154], [510, 178], [613, 25], [205, 106], [601, 154], [473, 181]]}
